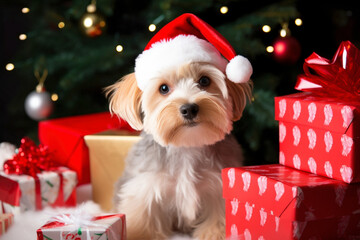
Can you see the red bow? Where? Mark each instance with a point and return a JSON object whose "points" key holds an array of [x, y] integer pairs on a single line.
{"points": [[29, 160], [339, 78]]}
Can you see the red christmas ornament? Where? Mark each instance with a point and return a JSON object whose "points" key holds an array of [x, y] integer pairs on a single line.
{"points": [[287, 50]]}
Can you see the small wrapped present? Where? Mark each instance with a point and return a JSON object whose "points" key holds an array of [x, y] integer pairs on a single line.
{"points": [[83, 227], [319, 128], [278, 202], [31, 181], [6, 220], [108, 151], [65, 137]]}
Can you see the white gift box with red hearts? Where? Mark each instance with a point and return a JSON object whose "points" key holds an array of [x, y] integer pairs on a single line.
{"points": [[319, 135], [278, 202]]}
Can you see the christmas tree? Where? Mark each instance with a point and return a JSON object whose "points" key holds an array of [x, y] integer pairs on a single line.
{"points": [[76, 48]]}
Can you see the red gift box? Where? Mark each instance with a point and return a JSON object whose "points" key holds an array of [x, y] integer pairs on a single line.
{"points": [[319, 135], [6, 220], [278, 202], [65, 139], [19, 193], [319, 129]]}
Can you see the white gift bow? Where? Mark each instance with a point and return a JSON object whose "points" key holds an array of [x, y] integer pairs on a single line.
{"points": [[79, 219]]}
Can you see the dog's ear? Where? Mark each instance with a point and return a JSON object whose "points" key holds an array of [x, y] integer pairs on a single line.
{"points": [[240, 93], [125, 100]]}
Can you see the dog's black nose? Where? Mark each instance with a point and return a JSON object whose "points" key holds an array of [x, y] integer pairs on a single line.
{"points": [[189, 111]]}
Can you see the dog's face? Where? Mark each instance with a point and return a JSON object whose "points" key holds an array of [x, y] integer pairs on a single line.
{"points": [[189, 106]]}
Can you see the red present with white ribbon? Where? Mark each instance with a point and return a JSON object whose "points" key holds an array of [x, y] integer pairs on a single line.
{"points": [[82, 226], [31, 180], [20, 193], [319, 129], [278, 202]]}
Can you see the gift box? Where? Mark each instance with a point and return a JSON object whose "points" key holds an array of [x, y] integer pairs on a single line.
{"points": [[19, 193], [6, 220], [278, 202], [65, 138], [319, 135], [67, 226], [108, 151], [319, 128]]}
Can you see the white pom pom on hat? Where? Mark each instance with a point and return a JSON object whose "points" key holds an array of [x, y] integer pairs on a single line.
{"points": [[239, 69], [189, 39]]}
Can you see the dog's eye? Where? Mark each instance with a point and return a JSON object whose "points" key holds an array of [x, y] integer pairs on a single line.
{"points": [[204, 81], [164, 89]]}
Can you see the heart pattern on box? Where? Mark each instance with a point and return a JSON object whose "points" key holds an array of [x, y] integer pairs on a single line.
{"points": [[234, 230], [281, 158], [263, 216], [296, 135], [312, 138], [282, 108], [234, 206], [296, 161], [328, 114], [347, 115], [328, 139], [346, 173], [247, 234], [294, 191], [279, 190], [246, 177], [231, 177], [296, 109], [312, 165], [262, 183], [312, 112], [282, 132], [277, 223], [347, 143], [328, 169], [248, 211]]}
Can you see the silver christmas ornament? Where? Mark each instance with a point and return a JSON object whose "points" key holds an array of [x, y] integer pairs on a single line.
{"points": [[38, 105]]}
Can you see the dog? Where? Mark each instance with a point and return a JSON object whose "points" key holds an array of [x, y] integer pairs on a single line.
{"points": [[172, 179]]}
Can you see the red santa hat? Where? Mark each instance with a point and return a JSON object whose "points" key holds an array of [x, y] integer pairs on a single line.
{"points": [[189, 39]]}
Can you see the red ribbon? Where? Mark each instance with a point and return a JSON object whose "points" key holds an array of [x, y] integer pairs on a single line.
{"points": [[29, 160], [339, 78]]}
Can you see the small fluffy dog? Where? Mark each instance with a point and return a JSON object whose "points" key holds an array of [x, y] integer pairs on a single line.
{"points": [[172, 180]]}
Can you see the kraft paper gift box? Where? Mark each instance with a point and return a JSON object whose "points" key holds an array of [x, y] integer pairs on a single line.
{"points": [[65, 139], [319, 129], [19, 193], [108, 151], [68, 226], [278, 202], [6, 220]]}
